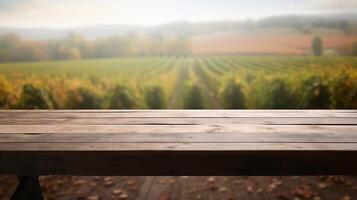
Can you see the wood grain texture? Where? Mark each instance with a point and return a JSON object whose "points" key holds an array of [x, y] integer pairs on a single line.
{"points": [[205, 128], [163, 137], [177, 142], [175, 114], [182, 121]]}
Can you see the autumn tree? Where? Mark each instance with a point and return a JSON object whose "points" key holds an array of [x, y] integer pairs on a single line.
{"points": [[317, 46]]}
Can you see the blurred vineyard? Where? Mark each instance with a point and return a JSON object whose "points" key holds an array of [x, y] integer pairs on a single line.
{"points": [[192, 82]]}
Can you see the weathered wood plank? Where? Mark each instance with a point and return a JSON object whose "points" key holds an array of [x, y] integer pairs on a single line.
{"points": [[217, 142], [279, 137], [174, 114], [179, 121], [147, 148], [181, 111], [205, 128]]}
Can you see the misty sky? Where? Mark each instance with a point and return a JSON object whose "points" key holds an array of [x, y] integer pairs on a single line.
{"points": [[71, 13]]}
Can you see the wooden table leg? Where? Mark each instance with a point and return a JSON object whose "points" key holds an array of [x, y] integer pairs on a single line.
{"points": [[28, 189]]}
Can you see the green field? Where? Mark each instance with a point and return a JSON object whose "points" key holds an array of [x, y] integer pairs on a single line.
{"points": [[182, 82]]}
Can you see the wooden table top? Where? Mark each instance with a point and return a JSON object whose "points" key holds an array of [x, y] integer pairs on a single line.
{"points": [[178, 142]]}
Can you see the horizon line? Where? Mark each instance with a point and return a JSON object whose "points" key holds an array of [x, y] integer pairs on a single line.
{"points": [[178, 21]]}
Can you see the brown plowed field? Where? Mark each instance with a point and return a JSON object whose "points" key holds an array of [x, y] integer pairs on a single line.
{"points": [[260, 43]]}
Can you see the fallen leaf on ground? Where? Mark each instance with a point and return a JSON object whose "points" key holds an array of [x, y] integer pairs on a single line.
{"points": [[117, 191], [211, 183], [131, 182], [302, 191], [211, 179], [172, 181], [79, 182], [124, 196], [93, 198], [273, 185], [108, 178], [108, 181], [316, 198], [323, 185], [222, 189], [249, 188]]}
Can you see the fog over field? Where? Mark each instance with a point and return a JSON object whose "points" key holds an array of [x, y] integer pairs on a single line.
{"points": [[155, 27], [79, 13], [284, 35]]}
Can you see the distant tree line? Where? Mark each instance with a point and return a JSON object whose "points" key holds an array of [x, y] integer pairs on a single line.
{"points": [[307, 23], [75, 47]]}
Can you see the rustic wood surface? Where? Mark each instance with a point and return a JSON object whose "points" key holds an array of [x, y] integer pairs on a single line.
{"points": [[178, 142]]}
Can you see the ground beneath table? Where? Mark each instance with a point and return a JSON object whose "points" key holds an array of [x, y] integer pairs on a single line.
{"points": [[197, 188]]}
